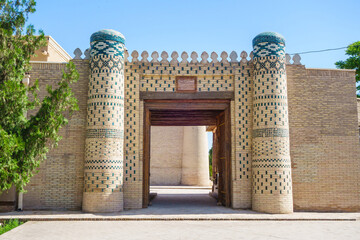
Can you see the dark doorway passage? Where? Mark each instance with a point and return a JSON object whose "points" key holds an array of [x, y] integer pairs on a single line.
{"points": [[191, 113]]}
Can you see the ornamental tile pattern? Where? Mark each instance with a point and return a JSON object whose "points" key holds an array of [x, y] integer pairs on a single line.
{"points": [[103, 168], [271, 165]]}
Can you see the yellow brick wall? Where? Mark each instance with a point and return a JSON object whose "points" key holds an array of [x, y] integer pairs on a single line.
{"points": [[358, 110], [324, 140], [59, 183]]}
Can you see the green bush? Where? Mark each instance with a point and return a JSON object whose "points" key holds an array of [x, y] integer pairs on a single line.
{"points": [[9, 224]]}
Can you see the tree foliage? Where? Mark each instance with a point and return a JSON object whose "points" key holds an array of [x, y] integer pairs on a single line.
{"points": [[353, 62], [25, 140], [9, 224]]}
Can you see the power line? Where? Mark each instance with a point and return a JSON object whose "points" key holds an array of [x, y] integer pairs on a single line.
{"points": [[316, 51]]}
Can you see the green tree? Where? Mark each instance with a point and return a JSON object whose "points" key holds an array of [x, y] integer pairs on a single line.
{"points": [[25, 140], [353, 62]]}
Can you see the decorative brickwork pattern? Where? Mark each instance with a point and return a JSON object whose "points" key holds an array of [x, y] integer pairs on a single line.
{"points": [[132, 141], [271, 166], [103, 172], [243, 135], [160, 76]]}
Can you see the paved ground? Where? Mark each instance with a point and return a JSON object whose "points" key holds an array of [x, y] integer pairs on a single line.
{"points": [[178, 203], [185, 230], [185, 204]]}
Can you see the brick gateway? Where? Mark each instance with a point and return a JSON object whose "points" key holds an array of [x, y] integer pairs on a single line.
{"points": [[289, 142]]}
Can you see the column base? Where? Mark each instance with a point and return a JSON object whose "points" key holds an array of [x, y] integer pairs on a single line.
{"points": [[101, 202], [272, 204]]}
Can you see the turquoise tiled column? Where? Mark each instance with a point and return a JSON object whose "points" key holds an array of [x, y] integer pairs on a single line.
{"points": [[103, 173], [271, 166]]}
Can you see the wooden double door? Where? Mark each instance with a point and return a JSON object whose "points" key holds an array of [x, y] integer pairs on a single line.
{"points": [[221, 160]]}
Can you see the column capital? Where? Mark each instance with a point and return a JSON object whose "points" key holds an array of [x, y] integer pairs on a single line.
{"points": [[107, 43], [269, 44], [107, 34], [271, 37]]}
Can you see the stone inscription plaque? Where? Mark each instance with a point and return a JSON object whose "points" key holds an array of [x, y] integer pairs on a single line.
{"points": [[186, 83]]}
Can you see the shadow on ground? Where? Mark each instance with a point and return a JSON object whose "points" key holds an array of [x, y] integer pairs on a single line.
{"points": [[169, 201], [183, 202]]}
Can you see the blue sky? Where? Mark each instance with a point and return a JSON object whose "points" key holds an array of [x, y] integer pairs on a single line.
{"points": [[209, 25], [205, 25]]}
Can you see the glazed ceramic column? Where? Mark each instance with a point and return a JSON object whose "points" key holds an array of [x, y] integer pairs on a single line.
{"points": [[103, 186], [195, 161], [271, 166]]}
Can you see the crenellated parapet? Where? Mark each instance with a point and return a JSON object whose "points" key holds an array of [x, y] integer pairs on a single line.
{"points": [[194, 58]]}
